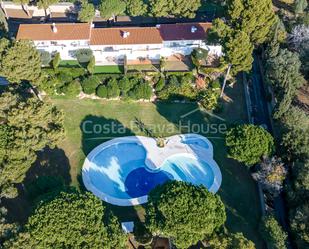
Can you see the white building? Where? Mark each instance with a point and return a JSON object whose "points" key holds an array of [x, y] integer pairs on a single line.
{"points": [[112, 46]]}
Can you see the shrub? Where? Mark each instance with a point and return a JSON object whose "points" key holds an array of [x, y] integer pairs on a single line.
{"points": [[215, 85], [91, 65], [64, 77], [83, 55], [71, 89], [272, 232], [90, 84], [209, 99], [125, 84], [249, 143], [45, 58], [56, 61], [102, 91], [160, 84], [112, 89], [141, 91]]}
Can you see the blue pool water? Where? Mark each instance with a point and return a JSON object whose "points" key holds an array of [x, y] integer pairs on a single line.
{"points": [[119, 171]]}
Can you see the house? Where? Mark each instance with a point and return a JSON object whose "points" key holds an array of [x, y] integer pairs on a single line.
{"points": [[112, 46]]}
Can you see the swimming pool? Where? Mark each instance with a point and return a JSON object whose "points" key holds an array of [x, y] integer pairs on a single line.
{"points": [[119, 171]]}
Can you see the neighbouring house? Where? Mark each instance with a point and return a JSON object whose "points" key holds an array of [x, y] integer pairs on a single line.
{"points": [[112, 46]]}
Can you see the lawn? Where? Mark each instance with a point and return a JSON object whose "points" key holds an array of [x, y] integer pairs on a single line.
{"points": [[108, 69], [69, 63], [84, 120]]}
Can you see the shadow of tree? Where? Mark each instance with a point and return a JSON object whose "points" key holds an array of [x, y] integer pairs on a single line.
{"points": [[50, 163]]}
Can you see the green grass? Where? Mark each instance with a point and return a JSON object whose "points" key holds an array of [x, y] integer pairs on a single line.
{"points": [[238, 190], [108, 69], [69, 63]]}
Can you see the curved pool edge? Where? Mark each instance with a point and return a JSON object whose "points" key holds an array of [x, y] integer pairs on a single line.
{"points": [[208, 157]]}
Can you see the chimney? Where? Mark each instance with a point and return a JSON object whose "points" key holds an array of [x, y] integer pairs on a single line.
{"points": [[125, 34], [158, 26], [193, 29], [54, 28]]}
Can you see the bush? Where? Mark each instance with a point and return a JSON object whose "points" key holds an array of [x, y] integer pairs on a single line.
{"points": [[141, 91], [84, 55], [160, 84], [102, 91], [112, 89], [178, 87], [71, 89], [45, 57], [249, 143], [209, 99], [125, 84], [272, 232], [91, 65], [215, 85], [56, 61], [90, 84]]}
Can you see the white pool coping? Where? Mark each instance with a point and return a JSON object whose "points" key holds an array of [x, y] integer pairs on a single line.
{"points": [[155, 157]]}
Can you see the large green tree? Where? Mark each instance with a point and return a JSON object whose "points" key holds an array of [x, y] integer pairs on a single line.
{"points": [[254, 17], [21, 61], [28, 125], [249, 143], [177, 8], [72, 220], [86, 13], [136, 7], [272, 233], [283, 72], [185, 212], [112, 8], [299, 218], [230, 241]]}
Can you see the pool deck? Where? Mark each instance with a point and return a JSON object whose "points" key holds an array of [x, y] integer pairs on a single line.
{"points": [[155, 157]]}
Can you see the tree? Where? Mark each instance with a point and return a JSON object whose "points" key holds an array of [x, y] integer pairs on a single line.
{"points": [[31, 125], [112, 8], [90, 84], [112, 88], [84, 55], [238, 52], [176, 8], [24, 5], [7, 230], [87, 12], [210, 99], [270, 174], [230, 241], [254, 17], [71, 220], [4, 27], [56, 61], [136, 8], [102, 91], [249, 143], [283, 72], [45, 58], [300, 6], [299, 37], [21, 62], [183, 211], [141, 91], [91, 65], [44, 4], [299, 218], [273, 233]]}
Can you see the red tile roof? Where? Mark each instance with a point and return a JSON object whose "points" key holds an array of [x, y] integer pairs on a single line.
{"points": [[114, 36], [182, 31], [65, 31]]}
